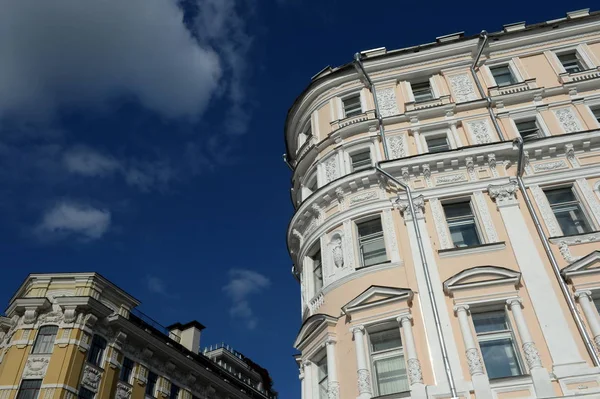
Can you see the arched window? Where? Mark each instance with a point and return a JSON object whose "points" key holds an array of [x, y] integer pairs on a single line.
{"points": [[45, 339]]}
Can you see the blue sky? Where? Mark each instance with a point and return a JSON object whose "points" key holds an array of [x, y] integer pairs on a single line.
{"points": [[142, 139]]}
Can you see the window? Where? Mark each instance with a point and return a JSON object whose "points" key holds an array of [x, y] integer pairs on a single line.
{"points": [[322, 377], [352, 106], [597, 304], [571, 62], [85, 393], [317, 268], [151, 384], [371, 242], [437, 143], [503, 76], [596, 113], [361, 160], [567, 210], [497, 344], [422, 91], [388, 362], [126, 370], [528, 129], [45, 339], [29, 389], [97, 350], [461, 223], [174, 391]]}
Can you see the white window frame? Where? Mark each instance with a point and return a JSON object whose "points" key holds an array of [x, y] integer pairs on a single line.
{"points": [[422, 138], [512, 66], [591, 106], [378, 326], [368, 218], [316, 359], [476, 218], [342, 97], [532, 114], [581, 52], [587, 214], [306, 191], [435, 92], [354, 149], [309, 268]]}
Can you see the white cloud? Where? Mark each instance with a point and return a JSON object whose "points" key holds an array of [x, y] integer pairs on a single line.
{"points": [[78, 52], [243, 283], [69, 218], [88, 162]]}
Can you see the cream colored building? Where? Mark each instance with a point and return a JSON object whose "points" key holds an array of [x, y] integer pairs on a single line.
{"points": [[78, 335], [446, 234]]}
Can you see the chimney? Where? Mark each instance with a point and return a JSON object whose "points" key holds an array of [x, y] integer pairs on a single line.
{"points": [[188, 334]]}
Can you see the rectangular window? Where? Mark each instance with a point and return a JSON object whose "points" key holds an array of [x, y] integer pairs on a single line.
{"points": [[568, 211], [361, 160], [597, 304], [528, 129], [596, 113], [322, 377], [45, 339], [30, 389], [174, 391], [96, 350], [352, 106], [437, 143], [422, 91], [388, 362], [497, 344], [126, 370], [85, 393], [151, 384], [317, 268], [503, 76], [462, 224], [571, 62], [371, 242]]}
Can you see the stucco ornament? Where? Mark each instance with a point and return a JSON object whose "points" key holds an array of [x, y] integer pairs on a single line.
{"points": [[486, 218], [396, 146], [531, 355], [474, 361], [333, 390], [415, 376], [462, 87], [331, 170], [419, 205], [337, 252], [123, 391], [55, 316], [364, 382], [386, 99], [91, 378], [567, 119], [590, 197], [503, 194], [597, 341], [563, 247], [480, 131], [36, 366], [542, 202]]}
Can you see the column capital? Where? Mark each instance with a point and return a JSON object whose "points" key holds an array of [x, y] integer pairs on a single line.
{"points": [[514, 302], [402, 204], [403, 317], [306, 363], [582, 293], [504, 194], [357, 329], [461, 307], [330, 341]]}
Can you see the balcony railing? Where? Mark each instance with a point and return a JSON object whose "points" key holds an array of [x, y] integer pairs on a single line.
{"points": [[147, 321], [514, 88], [581, 76]]}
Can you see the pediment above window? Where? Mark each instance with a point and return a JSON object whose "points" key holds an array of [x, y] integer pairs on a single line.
{"points": [[376, 296], [481, 276], [589, 264], [312, 327]]}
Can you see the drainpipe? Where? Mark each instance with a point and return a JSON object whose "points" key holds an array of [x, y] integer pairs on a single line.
{"points": [[411, 207], [285, 159], [484, 36], [361, 70], [518, 142]]}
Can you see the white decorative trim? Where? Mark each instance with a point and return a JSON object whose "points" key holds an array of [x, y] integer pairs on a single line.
{"points": [[91, 378], [568, 120], [390, 235], [474, 361], [485, 217], [36, 366], [363, 196], [450, 179], [123, 391], [504, 194], [549, 166], [440, 223], [397, 146], [348, 245], [480, 131], [386, 98], [542, 203], [590, 198], [331, 168], [462, 87]]}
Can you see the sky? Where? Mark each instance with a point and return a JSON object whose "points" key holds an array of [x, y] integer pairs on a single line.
{"points": [[143, 140]]}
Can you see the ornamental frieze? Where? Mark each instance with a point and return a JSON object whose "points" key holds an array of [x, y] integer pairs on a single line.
{"points": [[36, 367]]}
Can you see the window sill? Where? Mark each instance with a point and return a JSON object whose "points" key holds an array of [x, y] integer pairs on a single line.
{"points": [[575, 77], [405, 394], [475, 249], [514, 88], [510, 381], [425, 104], [593, 236]]}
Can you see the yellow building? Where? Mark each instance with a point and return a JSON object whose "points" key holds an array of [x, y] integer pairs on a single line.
{"points": [[78, 335], [446, 232]]}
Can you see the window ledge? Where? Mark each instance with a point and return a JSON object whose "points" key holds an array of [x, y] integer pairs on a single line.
{"points": [[475, 249], [514, 88], [405, 394], [510, 381], [434, 102], [584, 238], [587, 74]]}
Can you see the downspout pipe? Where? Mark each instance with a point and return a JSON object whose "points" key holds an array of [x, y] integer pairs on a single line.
{"points": [[518, 142], [488, 100], [436, 315], [361, 71]]}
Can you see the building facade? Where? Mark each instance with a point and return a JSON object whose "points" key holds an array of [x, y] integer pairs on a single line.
{"points": [[78, 335], [447, 215]]}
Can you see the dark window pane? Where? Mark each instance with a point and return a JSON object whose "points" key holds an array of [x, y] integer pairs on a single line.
{"points": [[151, 384], [570, 62], [437, 144], [458, 209], [85, 393], [503, 76], [528, 129], [499, 358], [361, 160], [596, 113], [126, 370], [96, 350], [352, 106], [45, 339], [371, 242], [461, 224], [174, 391], [421, 91], [490, 321], [29, 389], [568, 211], [385, 340]]}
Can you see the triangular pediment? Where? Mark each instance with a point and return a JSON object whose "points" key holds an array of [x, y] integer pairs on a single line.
{"points": [[481, 276], [314, 324], [377, 295], [588, 264]]}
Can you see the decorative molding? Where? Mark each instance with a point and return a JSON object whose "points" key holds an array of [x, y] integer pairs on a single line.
{"points": [[386, 99], [397, 146], [55, 316], [337, 253], [364, 196], [439, 220], [339, 194], [542, 203], [462, 88], [91, 378], [36, 366], [49, 393], [590, 198], [348, 245], [470, 168], [390, 235], [480, 130], [568, 120], [474, 361], [415, 376], [563, 247], [123, 391], [486, 218], [364, 382], [402, 205], [331, 168], [450, 179], [492, 164], [549, 166], [333, 390], [531, 355], [504, 194], [570, 154]]}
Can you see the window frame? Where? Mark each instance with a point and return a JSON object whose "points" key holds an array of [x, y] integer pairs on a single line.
{"points": [[515, 76], [21, 392], [102, 356], [154, 385], [578, 200], [385, 354], [366, 219], [434, 135], [427, 82], [322, 361], [476, 221], [581, 53], [35, 350], [177, 387], [539, 120], [91, 395], [131, 371], [316, 248], [343, 98], [580, 61]]}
